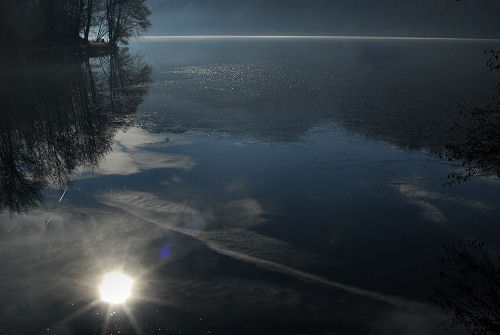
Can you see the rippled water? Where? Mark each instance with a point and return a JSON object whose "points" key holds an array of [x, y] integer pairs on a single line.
{"points": [[247, 186]]}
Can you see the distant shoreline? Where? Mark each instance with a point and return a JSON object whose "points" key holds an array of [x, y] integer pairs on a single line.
{"points": [[322, 37]]}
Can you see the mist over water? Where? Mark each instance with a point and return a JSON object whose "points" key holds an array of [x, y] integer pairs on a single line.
{"points": [[326, 17]]}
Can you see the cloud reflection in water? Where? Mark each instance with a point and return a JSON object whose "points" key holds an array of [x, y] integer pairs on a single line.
{"points": [[131, 153]]}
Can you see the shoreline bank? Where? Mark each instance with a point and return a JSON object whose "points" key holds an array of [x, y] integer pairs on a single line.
{"points": [[91, 49]]}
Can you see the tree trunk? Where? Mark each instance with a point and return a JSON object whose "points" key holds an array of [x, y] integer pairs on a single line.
{"points": [[110, 19], [89, 19], [78, 16], [117, 27]]}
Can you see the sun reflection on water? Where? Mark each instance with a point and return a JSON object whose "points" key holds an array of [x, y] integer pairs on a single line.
{"points": [[115, 288]]}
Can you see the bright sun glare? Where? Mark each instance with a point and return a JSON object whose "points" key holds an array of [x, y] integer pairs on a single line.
{"points": [[115, 288]]}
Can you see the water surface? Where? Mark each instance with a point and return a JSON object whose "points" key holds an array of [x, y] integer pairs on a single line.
{"points": [[249, 186]]}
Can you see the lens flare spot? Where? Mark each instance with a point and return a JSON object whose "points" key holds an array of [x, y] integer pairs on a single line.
{"points": [[115, 288], [165, 252]]}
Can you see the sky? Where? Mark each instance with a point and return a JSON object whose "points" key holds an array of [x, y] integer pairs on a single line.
{"points": [[437, 18]]}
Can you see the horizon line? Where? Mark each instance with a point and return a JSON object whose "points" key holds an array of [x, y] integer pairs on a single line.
{"points": [[332, 37]]}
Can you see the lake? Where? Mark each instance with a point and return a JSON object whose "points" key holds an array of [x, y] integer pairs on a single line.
{"points": [[247, 186]]}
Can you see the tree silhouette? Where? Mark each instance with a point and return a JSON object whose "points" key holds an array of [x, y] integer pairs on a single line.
{"points": [[42, 23], [126, 19]]}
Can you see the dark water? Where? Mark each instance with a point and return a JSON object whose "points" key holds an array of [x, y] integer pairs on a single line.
{"points": [[247, 186]]}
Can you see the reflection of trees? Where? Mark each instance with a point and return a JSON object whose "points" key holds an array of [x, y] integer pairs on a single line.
{"points": [[471, 287], [471, 275], [56, 117], [126, 80], [479, 152], [476, 138]]}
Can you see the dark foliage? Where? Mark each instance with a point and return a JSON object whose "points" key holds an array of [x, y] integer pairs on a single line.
{"points": [[42, 23], [471, 287], [475, 140]]}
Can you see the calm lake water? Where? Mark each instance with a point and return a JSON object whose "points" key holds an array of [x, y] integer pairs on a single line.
{"points": [[247, 186]]}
